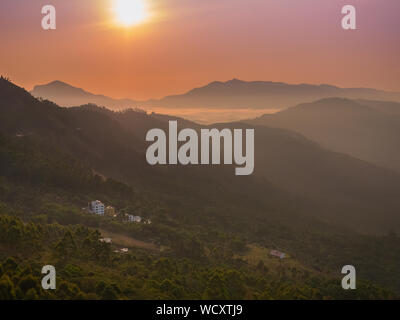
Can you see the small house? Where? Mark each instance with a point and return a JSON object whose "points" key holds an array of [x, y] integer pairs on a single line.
{"points": [[132, 218], [276, 253], [109, 211]]}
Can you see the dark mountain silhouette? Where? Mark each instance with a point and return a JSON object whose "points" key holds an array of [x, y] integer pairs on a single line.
{"points": [[219, 95], [113, 144], [368, 130], [292, 174]]}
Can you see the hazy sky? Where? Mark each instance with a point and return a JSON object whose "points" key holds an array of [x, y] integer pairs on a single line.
{"points": [[188, 43]]}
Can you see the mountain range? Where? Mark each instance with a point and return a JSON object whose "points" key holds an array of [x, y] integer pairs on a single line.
{"points": [[328, 185], [323, 208], [232, 94]]}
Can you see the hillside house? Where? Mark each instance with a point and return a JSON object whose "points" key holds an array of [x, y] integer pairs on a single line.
{"points": [[109, 211], [97, 207], [276, 253]]}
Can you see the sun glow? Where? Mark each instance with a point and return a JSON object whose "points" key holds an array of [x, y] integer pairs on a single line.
{"points": [[130, 12]]}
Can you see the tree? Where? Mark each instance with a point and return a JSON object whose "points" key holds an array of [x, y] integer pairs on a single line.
{"points": [[31, 295], [7, 291], [109, 293], [215, 289], [28, 282]]}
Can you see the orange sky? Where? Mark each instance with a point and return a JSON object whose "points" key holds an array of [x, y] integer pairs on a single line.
{"points": [[188, 43]]}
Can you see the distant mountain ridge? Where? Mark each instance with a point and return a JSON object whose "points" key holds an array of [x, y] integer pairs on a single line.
{"points": [[366, 129], [232, 94], [66, 95]]}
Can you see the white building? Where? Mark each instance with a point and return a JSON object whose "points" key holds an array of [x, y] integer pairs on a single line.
{"points": [[123, 250], [132, 218], [97, 207]]}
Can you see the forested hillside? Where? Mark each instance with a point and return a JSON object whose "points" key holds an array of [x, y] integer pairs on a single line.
{"points": [[364, 129], [209, 239]]}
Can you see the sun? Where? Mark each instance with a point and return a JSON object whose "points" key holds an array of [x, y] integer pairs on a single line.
{"points": [[130, 12]]}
